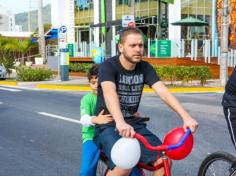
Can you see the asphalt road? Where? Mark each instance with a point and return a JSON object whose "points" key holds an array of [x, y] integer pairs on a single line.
{"points": [[37, 137]]}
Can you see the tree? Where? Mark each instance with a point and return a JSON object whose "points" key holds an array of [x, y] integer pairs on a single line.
{"points": [[41, 29], [24, 47], [15, 49]]}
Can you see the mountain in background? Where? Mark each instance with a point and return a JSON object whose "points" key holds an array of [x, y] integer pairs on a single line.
{"points": [[22, 18]]}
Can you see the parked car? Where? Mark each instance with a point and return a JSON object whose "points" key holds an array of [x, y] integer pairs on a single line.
{"points": [[3, 72]]}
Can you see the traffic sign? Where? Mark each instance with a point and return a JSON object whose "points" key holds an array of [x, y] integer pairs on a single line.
{"points": [[62, 37], [63, 29], [126, 19]]}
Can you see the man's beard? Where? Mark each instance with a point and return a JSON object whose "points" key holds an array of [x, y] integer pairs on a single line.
{"points": [[129, 59]]}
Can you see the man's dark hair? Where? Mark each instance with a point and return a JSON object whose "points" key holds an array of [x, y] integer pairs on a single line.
{"points": [[93, 72], [129, 30]]}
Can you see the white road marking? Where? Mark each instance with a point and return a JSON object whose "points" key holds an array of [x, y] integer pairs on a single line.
{"points": [[23, 88], [9, 89], [60, 117]]}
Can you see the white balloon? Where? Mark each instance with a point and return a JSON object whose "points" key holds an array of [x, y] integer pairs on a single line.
{"points": [[126, 152]]}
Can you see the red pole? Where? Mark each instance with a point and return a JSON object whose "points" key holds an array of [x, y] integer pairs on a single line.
{"points": [[166, 166]]}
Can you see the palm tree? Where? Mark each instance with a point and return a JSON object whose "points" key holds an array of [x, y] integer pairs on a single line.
{"points": [[11, 47], [3, 42], [24, 47], [15, 48], [8, 46]]}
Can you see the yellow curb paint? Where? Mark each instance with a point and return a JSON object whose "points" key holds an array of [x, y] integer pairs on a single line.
{"points": [[174, 90], [197, 89], [191, 89], [61, 87], [8, 83]]}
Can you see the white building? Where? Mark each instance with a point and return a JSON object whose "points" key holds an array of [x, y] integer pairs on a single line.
{"points": [[17, 34], [62, 14], [7, 20], [18, 28]]}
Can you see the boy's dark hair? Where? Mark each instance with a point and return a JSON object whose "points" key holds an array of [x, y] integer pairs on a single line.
{"points": [[129, 30], [93, 72]]}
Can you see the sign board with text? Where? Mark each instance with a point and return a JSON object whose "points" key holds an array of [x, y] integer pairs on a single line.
{"points": [[62, 37], [164, 48], [127, 19], [64, 55], [71, 49]]}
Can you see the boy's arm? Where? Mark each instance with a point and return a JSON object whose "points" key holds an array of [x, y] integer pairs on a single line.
{"points": [[88, 120], [85, 112], [101, 118]]}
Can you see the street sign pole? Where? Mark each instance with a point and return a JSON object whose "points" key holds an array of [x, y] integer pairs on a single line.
{"points": [[64, 68]]}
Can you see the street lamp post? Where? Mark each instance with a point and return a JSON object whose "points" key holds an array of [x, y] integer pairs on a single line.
{"points": [[132, 8], [224, 42]]}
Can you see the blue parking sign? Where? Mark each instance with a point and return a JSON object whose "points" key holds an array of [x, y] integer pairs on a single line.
{"points": [[63, 29]]}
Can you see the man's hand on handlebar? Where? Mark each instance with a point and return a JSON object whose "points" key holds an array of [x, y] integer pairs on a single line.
{"points": [[191, 123], [124, 129]]}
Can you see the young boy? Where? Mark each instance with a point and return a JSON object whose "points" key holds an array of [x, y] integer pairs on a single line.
{"points": [[90, 152]]}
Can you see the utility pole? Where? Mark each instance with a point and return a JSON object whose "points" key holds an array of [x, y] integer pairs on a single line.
{"points": [[159, 19], [224, 42], [132, 8], [29, 17], [41, 30], [108, 37]]}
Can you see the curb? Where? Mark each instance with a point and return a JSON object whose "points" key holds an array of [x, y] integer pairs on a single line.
{"points": [[197, 89], [146, 90], [9, 83], [63, 87], [191, 89], [173, 90]]}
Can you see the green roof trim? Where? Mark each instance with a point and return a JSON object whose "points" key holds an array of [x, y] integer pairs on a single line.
{"points": [[168, 1]]}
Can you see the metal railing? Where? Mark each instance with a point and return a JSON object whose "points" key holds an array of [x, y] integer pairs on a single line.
{"points": [[194, 49]]}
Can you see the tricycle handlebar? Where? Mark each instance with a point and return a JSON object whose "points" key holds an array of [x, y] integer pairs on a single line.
{"points": [[163, 147]]}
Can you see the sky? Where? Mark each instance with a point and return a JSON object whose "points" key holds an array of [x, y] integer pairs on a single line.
{"points": [[17, 6]]}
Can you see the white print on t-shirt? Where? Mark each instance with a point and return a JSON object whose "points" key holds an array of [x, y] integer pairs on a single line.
{"points": [[133, 79], [130, 90]]}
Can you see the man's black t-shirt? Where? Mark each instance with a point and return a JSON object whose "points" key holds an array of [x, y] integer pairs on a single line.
{"points": [[229, 98], [129, 84]]}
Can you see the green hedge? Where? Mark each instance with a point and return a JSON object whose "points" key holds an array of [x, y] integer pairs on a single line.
{"points": [[79, 67], [33, 74], [167, 73], [184, 73]]}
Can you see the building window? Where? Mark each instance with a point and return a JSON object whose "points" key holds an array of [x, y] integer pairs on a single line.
{"points": [[200, 9], [84, 4], [84, 12]]}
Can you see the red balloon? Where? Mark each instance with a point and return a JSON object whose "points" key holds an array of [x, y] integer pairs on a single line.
{"points": [[174, 137]]}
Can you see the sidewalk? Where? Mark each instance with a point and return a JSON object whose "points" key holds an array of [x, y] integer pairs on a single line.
{"points": [[76, 83]]}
